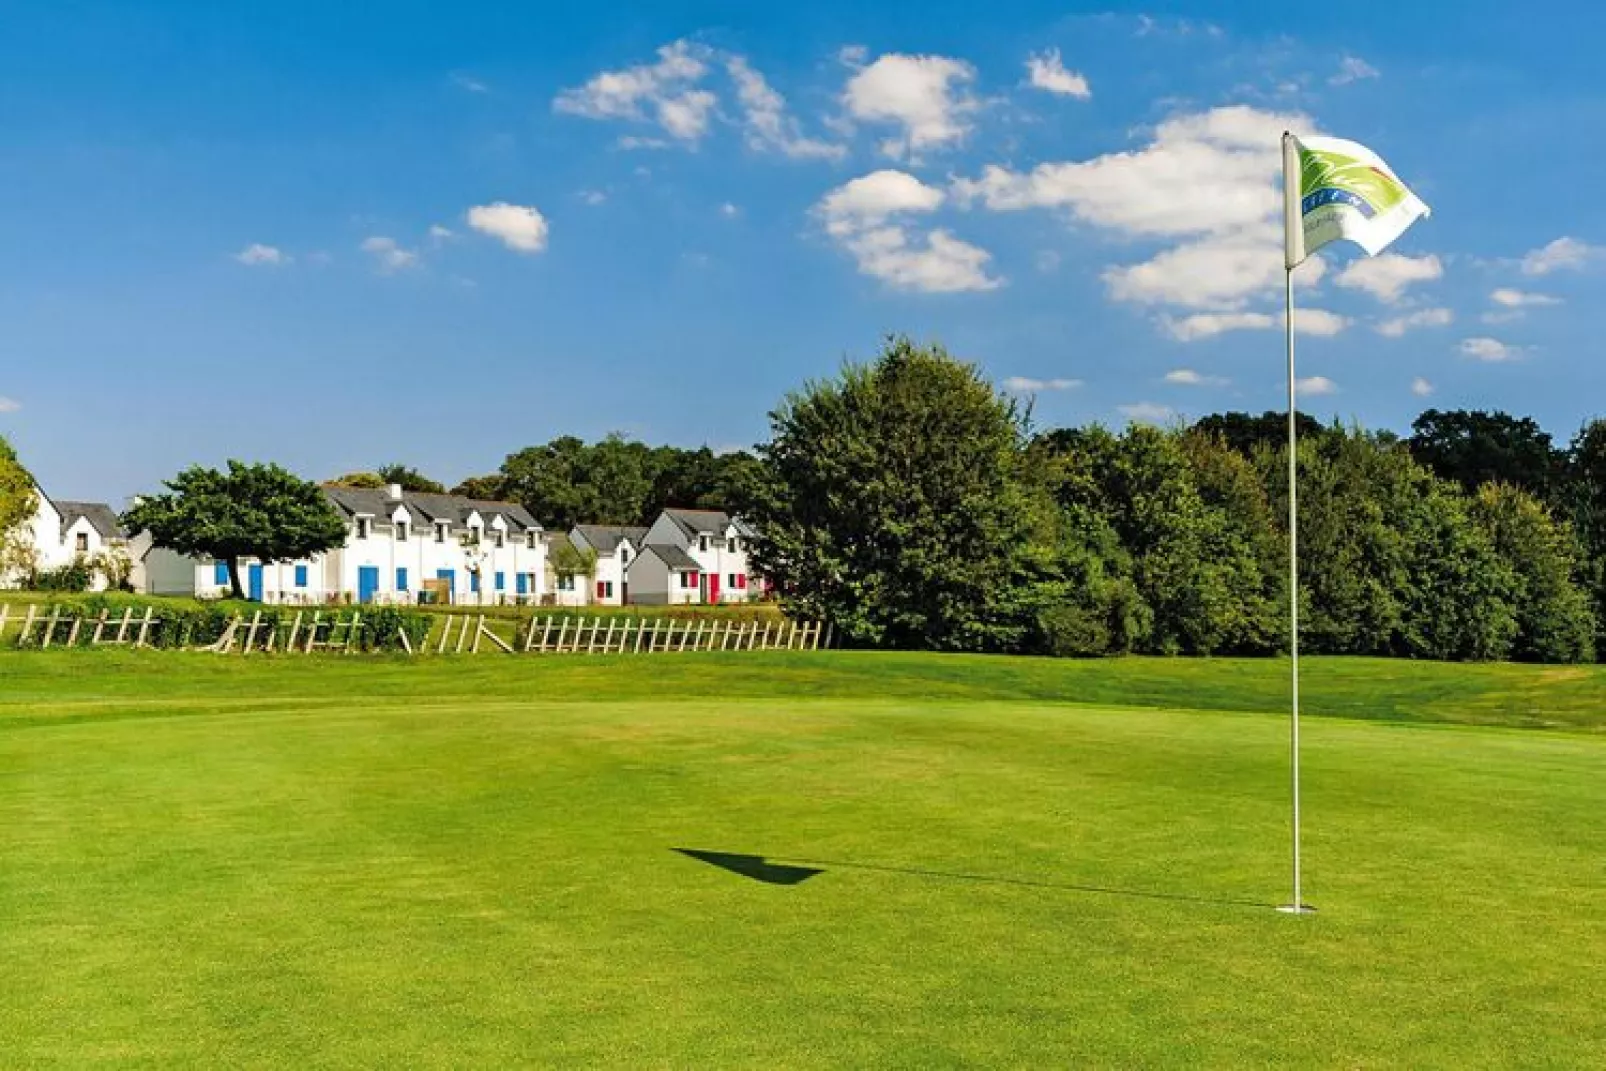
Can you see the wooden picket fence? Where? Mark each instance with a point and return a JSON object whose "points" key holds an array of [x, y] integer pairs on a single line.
{"points": [[454, 634], [39, 629]]}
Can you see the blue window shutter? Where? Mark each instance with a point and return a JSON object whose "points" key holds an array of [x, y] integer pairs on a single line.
{"points": [[220, 573], [473, 581], [522, 583], [501, 581], [401, 579], [301, 576]]}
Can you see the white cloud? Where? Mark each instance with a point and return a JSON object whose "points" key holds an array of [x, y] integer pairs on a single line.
{"points": [[729, 211], [256, 253], [664, 93], [1352, 69], [1208, 173], [390, 256], [441, 235], [1207, 324], [1421, 387], [861, 216], [1518, 299], [592, 197], [1218, 272], [469, 84], [632, 142], [1399, 325], [1023, 384], [1314, 386], [1147, 412], [1385, 277], [1187, 377], [924, 95], [852, 55], [519, 227], [1047, 260], [1489, 350], [767, 125], [1210, 178], [9, 405], [1319, 322], [1562, 254], [1047, 72]]}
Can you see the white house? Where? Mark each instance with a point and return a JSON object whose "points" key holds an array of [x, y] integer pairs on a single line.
{"points": [[712, 559], [62, 532], [615, 546], [397, 542]]}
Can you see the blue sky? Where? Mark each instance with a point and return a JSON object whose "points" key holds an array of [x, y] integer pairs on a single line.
{"points": [[339, 235]]}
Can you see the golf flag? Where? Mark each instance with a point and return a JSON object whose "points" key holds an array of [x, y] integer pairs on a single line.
{"points": [[1335, 189]]}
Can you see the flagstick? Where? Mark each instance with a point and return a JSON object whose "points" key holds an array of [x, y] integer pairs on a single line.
{"points": [[1297, 906], [1293, 235]]}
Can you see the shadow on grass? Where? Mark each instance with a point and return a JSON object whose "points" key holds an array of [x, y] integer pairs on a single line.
{"points": [[759, 868]]}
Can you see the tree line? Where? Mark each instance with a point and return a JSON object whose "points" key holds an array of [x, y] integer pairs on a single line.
{"points": [[913, 505], [616, 480]]}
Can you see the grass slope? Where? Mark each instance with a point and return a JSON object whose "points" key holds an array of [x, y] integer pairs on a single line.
{"points": [[465, 862]]}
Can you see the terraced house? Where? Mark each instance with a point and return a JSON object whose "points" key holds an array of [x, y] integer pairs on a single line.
{"points": [[402, 546], [62, 532]]}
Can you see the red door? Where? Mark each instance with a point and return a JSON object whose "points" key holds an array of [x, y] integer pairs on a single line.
{"points": [[713, 587]]}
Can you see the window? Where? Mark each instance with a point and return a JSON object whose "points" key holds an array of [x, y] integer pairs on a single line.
{"points": [[735, 545], [220, 573], [565, 583], [401, 531], [401, 579], [301, 576], [530, 537], [81, 545], [702, 543], [501, 581], [474, 536], [474, 582], [362, 527], [624, 555], [688, 579], [501, 539], [605, 589], [730, 581], [440, 531]]}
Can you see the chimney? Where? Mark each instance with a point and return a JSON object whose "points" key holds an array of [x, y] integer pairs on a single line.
{"points": [[395, 492]]}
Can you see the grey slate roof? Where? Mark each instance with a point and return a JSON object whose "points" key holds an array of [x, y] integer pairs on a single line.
{"points": [[430, 507], [605, 538], [100, 516], [697, 521], [673, 557]]}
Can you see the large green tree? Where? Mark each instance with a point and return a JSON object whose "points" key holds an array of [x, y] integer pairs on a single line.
{"points": [[1555, 622], [247, 510], [1472, 447], [409, 479], [17, 504], [896, 502], [1246, 433]]}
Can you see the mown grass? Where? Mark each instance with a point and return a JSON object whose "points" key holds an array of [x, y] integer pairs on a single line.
{"points": [[466, 862]]}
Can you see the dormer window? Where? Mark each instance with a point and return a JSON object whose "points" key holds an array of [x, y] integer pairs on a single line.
{"points": [[440, 531], [81, 545], [702, 543], [363, 524], [530, 538], [735, 544], [474, 536], [401, 531], [501, 538], [624, 555]]}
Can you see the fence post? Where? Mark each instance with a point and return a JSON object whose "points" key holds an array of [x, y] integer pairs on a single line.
{"points": [[563, 630], [295, 628], [50, 628], [462, 635], [251, 632], [122, 629], [529, 637], [100, 627], [72, 633], [144, 628], [351, 630], [5, 612], [479, 630]]}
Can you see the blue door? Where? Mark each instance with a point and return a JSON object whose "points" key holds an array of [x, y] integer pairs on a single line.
{"points": [[367, 582], [522, 583], [254, 583]]}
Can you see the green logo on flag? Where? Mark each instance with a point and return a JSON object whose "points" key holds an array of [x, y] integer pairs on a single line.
{"points": [[1327, 177]]}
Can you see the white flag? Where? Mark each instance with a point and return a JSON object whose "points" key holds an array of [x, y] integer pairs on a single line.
{"points": [[1335, 189]]}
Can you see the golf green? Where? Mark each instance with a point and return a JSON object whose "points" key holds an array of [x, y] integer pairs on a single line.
{"points": [[828, 859]]}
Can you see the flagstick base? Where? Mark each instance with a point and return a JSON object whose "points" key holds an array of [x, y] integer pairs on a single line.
{"points": [[1296, 909]]}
